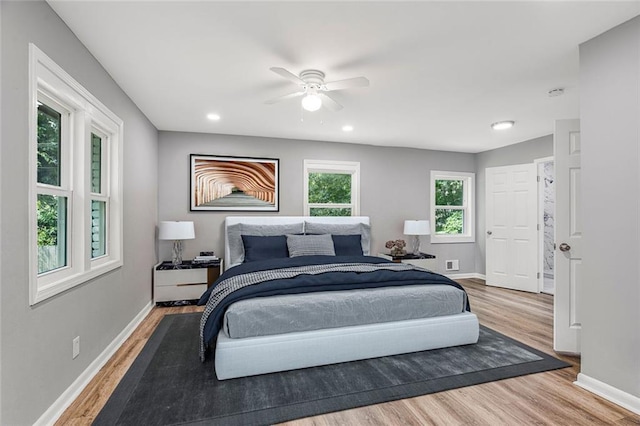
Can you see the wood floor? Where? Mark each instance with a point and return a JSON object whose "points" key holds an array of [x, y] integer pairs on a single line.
{"points": [[548, 398]]}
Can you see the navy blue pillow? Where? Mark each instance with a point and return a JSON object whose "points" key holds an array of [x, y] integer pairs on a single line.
{"points": [[347, 245], [264, 248]]}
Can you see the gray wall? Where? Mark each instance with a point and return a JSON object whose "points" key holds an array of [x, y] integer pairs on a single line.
{"points": [[35, 343], [394, 186], [610, 128], [521, 153], [36, 340]]}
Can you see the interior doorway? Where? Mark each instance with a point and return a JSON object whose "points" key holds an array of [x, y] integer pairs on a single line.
{"points": [[546, 218], [512, 239]]}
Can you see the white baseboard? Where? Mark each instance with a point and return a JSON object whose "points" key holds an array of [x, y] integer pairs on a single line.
{"points": [[465, 276], [54, 412], [608, 392]]}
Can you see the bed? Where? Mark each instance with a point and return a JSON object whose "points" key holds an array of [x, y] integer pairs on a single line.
{"points": [[270, 312]]}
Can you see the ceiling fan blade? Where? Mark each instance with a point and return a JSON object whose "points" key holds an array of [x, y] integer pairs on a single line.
{"points": [[329, 102], [284, 97], [287, 74], [347, 84]]}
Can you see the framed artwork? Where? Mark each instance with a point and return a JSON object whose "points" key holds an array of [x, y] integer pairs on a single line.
{"points": [[221, 183]]}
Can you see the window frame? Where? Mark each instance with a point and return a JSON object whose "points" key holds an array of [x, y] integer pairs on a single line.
{"points": [[85, 114], [468, 207], [336, 167]]}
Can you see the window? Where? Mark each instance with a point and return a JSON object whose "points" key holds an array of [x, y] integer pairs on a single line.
{"points": [[99, 197], [331, 188], [52, 189], [452, 207], [75, 182]]}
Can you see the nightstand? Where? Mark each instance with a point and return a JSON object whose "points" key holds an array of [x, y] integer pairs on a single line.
{"points": [[187, 281], [423, 260]]}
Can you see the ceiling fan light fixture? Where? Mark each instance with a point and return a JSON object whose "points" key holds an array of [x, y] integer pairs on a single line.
{"points": [[311, 102], [314, 90], [213, 117], [347, 128], [502, 125]]}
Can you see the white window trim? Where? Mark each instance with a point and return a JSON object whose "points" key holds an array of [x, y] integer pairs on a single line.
{"points": [[468, 202], [86, 112], [332, 166]]}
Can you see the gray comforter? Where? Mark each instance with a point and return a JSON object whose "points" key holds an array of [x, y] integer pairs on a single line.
{"points": [[265, 316]]}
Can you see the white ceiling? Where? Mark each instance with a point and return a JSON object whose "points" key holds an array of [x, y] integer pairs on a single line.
{"points": [[440, 72]]}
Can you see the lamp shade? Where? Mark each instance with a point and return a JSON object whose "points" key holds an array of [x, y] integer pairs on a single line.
{"points": [[417, 227], [170, 230]]}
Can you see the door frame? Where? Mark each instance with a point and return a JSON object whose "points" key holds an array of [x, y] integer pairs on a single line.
{"points": [[540, 188]]}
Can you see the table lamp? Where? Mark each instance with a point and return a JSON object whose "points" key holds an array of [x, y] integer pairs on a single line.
{"points": [[416, 228], [176, 231]]}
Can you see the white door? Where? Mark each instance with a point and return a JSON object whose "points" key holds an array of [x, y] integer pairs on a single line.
{"points": [[512, 238], [568, 256]]}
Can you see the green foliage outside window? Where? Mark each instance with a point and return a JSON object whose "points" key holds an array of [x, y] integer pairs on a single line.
{"points": [[51, 218], [48, 163], [449, 221], [323, 211], [48, 145], [449, 193], [51, 210], [332, 188], [47, 206]]}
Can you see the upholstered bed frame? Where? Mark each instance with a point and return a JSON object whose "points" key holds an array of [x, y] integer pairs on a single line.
{"points": [[266, 354]]}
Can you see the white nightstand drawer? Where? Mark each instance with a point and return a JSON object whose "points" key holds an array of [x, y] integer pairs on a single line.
{"points": [[179, 292], [177, 277], [186, 283]]}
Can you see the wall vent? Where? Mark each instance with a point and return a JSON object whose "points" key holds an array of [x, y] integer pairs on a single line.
{"points": [[452, 265]]}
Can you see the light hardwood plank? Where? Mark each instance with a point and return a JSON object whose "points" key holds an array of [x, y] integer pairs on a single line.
{"points": [[548, 398]]}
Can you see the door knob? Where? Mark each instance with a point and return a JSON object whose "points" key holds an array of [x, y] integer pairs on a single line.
{"points": [[564, 247], [489, 232]]}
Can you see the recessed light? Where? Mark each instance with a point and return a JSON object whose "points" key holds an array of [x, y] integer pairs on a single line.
{"points": [[502, 125], [347, 128], [213, 117]]}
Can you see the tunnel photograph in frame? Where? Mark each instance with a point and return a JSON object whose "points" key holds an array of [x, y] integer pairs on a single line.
{"points": [[222, 183]]}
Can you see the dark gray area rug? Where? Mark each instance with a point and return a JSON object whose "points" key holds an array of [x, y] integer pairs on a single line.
{"points": [[168, 385]]}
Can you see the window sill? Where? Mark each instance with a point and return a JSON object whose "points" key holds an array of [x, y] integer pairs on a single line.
{"points": [[45, 292], [448, 239]]}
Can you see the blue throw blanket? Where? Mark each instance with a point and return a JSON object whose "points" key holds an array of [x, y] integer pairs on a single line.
{"points": [[304, 274]]}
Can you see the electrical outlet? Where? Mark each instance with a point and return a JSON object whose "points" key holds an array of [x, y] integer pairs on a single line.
{"points": [[452, 265], [76, 347]]}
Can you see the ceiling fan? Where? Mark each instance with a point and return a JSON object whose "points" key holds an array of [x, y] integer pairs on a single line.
{"points": [[314, 89]]}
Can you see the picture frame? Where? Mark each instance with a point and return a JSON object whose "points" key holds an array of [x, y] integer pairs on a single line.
{"points": [[226, 183]]}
